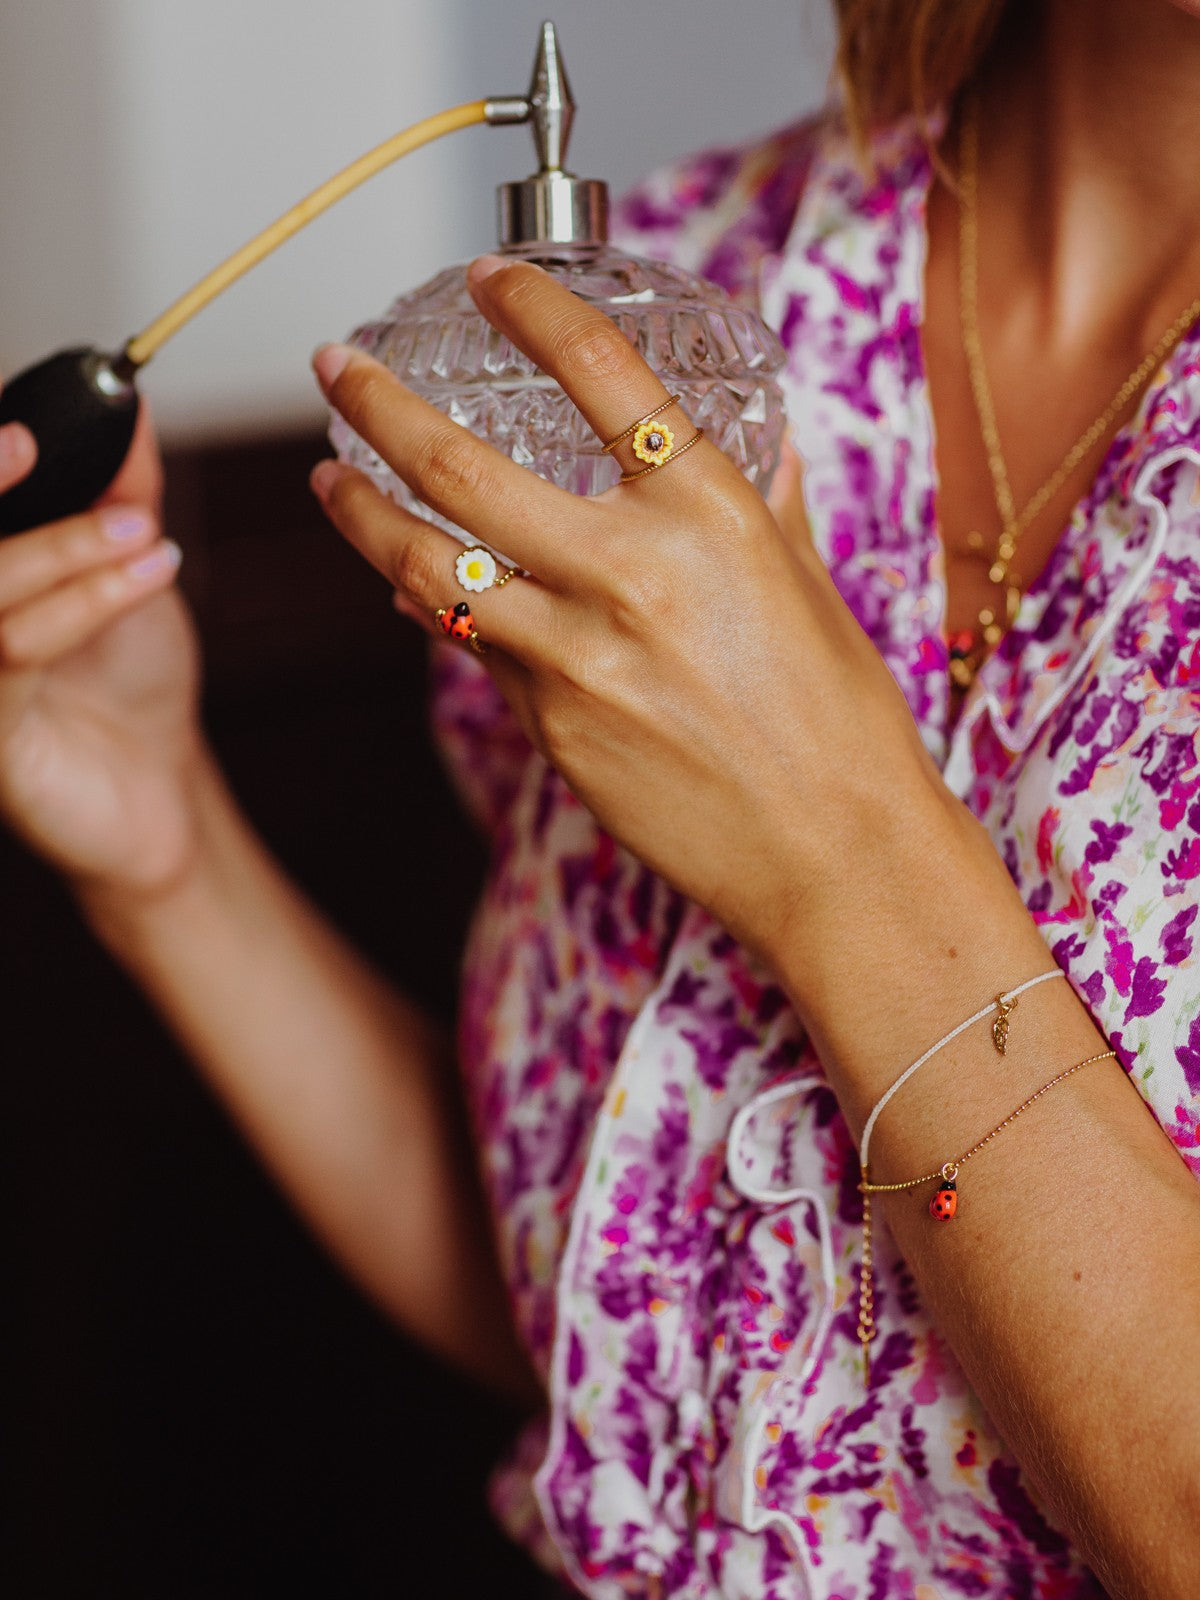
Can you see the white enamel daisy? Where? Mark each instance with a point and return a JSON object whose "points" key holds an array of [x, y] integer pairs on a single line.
{"points": [[476, 569]]}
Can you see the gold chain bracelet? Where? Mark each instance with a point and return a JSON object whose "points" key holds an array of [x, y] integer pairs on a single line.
{"points": [[943, 1206]]}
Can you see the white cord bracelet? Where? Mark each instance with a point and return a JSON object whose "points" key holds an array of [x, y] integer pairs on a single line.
{"points": [[1007, 1000]]}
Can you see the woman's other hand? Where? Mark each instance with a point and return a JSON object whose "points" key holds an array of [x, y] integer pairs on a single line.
{"points": [[680, 654], [98, 683]]}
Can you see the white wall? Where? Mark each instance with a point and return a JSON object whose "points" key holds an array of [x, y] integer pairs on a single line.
{"points": [[142, 140]]}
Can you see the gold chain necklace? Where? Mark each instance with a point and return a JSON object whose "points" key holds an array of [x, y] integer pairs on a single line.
{"points": [[968, 649]]}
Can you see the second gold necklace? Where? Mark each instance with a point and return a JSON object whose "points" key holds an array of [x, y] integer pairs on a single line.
{"points": [[969, 647]]}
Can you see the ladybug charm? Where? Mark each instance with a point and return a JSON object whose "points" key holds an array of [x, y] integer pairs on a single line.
{"points": [[944, 1204], [457, 621]]}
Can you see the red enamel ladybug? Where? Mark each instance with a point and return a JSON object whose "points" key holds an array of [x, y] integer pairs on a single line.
{"points": [[945, 1202], [459, 623]]}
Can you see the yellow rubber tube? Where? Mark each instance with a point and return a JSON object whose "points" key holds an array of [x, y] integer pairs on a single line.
{"points": [[143, 345]]}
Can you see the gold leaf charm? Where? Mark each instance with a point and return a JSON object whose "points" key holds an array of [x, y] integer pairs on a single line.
{"points": [[1004, 1009]]}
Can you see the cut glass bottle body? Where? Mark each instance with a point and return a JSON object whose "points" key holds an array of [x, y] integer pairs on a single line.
{"points": [[717, 356]]}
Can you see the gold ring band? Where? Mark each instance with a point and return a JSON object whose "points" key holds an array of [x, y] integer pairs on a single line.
{"points": [[634, 426]]}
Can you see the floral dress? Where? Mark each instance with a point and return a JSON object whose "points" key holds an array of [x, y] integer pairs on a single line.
{"points": [[673, 1186]]}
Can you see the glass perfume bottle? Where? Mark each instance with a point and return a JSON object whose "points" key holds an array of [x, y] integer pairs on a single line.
{"points": [[717, 356]]}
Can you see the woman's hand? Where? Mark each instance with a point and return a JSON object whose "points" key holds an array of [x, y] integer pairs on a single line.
{"points": [[98, 683], [680, 655]]}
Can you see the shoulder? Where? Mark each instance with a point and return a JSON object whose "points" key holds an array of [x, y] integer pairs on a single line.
{"points": [[722, 212]]}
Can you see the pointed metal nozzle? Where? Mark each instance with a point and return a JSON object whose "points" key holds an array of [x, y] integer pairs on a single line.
{"points": [[553, 206], [549, 105], [552, 102]]}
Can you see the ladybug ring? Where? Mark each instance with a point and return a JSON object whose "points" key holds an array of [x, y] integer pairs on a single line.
{"points": [[458, 623]]}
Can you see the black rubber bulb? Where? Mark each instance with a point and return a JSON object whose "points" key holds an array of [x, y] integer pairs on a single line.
{"points": [[81, 406]]}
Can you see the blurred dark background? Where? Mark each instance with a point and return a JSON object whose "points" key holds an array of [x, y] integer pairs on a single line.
{"points": [[195, 1405]]}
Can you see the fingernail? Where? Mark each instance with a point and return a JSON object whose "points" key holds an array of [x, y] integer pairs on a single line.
{"points": [[323, 477], [484, 266], [329, 362], [16, 444], [165, 557], [124, 523]]}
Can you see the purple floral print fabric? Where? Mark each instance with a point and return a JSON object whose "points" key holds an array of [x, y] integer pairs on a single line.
{"points": [[673, 1186]]}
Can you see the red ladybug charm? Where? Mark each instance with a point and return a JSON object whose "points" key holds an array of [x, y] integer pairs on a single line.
{"points": [[458, 623], [945, 1202]]}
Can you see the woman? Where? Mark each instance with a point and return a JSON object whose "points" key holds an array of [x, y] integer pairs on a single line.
{"points": [[890, 767]]}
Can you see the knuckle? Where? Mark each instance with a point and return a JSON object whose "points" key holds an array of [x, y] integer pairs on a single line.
{"points": [[649, 594], [415, 569], [451, 470], [78, 544], [592, 348], [732, 510], [644, 595]]}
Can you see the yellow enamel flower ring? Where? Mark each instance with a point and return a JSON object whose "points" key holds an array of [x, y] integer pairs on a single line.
{"points": [[652, 441]]}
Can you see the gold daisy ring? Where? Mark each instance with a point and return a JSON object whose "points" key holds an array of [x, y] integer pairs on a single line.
{"points": [[477, 569]]}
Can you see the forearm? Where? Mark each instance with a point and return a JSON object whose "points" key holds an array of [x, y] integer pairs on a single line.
{"points": [[345, 1089], [1069, 1283]]}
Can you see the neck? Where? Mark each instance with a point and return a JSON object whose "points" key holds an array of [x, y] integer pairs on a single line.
{"points": [[1088, 138]]}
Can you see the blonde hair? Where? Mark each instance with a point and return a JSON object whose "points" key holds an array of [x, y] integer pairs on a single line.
{"points": [[908, 57]]}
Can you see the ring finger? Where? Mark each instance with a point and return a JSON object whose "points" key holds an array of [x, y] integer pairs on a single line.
{"points": [[422, 565]]}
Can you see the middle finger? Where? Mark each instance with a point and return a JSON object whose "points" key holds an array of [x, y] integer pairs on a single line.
{"points": [[597, 366]]}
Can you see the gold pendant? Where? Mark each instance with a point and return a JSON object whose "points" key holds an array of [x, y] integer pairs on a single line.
{"points": [[1004, 1009]]}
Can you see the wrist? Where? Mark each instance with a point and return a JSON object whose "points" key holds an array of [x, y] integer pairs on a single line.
{"points": [[125, 912], [920, 927]]}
